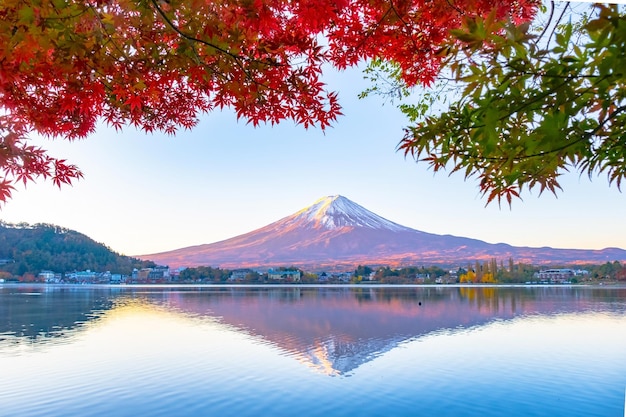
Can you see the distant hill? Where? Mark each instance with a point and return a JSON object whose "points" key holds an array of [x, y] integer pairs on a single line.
{"points": [[28, 248], [336, 233]]}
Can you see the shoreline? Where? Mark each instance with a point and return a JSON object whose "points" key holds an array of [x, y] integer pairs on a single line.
{"points": [[612, 285]]}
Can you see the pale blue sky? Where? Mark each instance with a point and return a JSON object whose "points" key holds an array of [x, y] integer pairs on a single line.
{"points": [[150, 193]]}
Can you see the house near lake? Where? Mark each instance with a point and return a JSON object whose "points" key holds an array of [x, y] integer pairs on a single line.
{"points": [[286, 275], [559, 275]]}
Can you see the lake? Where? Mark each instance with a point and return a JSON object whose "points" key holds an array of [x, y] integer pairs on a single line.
{"points": [[312, 351]]}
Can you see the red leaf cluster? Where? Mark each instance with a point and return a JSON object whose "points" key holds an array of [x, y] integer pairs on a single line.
{"points": [[66, 64], [20, 162]]}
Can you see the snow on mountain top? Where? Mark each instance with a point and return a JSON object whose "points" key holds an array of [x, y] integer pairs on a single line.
{"points": [[337, 211]]}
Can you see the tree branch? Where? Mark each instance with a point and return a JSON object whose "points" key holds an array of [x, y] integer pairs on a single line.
{"points": [[192, 38], [583, 138], [545, 29], [556, 25]]}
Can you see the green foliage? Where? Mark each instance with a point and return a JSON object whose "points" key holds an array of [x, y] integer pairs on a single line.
{"points": [[610, 270], [408, 275], [309, 278], [48, 247], [532, 103], [363, 271], [516, 273], [204, 273]]}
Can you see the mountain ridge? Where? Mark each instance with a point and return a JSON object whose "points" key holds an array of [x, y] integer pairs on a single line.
{"points": [[29, 249], [335, 232]]}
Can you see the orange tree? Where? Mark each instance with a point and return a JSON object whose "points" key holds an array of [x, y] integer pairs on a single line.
{"points": [[65, 65]]}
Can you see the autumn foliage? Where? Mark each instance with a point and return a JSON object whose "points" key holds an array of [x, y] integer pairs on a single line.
{"points": [[66, 65], [532, 102]]}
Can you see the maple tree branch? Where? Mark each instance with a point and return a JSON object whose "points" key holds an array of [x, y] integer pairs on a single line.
{"points": [[408, 27], [234, 56], [189, 37], [557, 76], [583, 138], [539, 97], [60, 17], [376, 26], [566, 79], [523, 106], [545, 29], [459, 11], [238, 59], [406, 24], [556, 25], [110, 39]]}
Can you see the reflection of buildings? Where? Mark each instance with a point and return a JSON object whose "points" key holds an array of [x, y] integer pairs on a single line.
{"points": [[332, 329]]}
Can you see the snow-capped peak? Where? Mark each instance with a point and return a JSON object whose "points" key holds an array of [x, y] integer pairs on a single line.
{"points": [[337, 211]]}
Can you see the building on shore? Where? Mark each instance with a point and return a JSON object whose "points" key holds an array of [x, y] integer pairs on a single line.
{"points": [[289, 275]]}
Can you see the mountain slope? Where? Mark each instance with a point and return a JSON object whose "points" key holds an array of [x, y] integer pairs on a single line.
{"points": [[336, 232], [30, 249]]}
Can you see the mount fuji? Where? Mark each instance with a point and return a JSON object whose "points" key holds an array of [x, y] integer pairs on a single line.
{"points": [[337, 233]]}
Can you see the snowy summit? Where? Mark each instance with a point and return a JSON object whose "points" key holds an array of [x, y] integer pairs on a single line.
{"points": [[336, 211]]}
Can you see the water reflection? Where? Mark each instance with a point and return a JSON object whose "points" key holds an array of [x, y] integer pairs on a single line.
{"points": [[41, 313], [333, 330]]}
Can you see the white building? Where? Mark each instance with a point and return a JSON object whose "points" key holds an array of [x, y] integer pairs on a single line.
{"points": [[286, 275]]}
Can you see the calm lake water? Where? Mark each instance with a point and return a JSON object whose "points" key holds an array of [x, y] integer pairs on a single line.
{"points": [[302, 351]]}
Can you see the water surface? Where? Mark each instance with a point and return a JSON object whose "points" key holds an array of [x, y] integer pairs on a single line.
{"points": [[327, 351]]}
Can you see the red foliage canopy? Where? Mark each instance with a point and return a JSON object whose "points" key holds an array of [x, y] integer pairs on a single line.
{"points": [[157, 64]]}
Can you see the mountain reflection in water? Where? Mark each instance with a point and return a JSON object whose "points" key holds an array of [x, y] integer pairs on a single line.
{"points": [[334, 330]]}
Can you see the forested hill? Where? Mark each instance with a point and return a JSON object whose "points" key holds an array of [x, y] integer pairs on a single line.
{"points": [[30, 249]]}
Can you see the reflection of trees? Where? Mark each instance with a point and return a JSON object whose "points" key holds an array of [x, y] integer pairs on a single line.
{"points": [[541, 299], [367, 319], [46, 311], [490, 298]]}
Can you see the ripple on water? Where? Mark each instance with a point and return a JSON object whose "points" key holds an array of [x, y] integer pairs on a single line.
{"points": [[138, 359]]}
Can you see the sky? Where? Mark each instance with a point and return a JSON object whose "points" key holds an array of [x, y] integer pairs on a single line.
{"points": [[148, 193]]}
